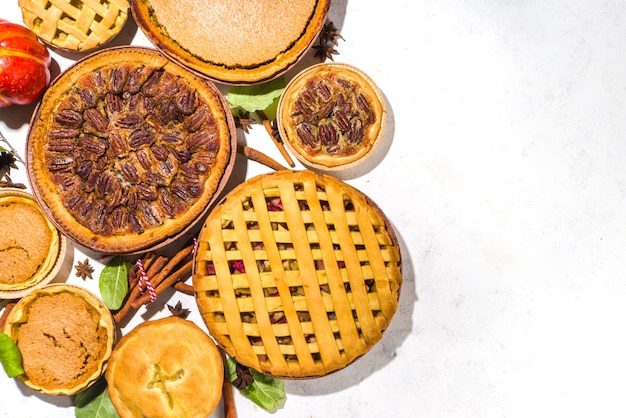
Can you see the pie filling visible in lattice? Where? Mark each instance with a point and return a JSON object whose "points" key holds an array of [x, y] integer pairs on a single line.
{"points": [[127, 149], [297, 274]]}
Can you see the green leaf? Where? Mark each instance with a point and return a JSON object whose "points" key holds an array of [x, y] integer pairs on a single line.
{"points": [[94, 402], [265, 391], [10, 356], [113, 282], [255, 97]]}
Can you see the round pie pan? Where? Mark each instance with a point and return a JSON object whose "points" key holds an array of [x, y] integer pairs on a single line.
{"points": [[52, 262], [39, 175], [303, 102], [233, 41]]}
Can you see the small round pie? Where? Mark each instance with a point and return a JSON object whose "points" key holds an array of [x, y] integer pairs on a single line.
{"points": [[297, 274], [166, 367], [77, 25], [331, 116], [127, 149], [31, 248], [64, 334], [233, 41]]}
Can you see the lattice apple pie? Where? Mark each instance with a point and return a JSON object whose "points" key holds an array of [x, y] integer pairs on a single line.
{"points": [[127, 149], [297, 274]]}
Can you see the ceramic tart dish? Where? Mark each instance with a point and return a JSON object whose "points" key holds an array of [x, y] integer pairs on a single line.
{"points": [[331, 116], [233, 41], [166, 367], [32, 250], [77, 25], [65, 336], [297, 274], [127, 150]]}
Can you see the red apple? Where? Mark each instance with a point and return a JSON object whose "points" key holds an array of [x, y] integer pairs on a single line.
{"points": [[24, 65]]}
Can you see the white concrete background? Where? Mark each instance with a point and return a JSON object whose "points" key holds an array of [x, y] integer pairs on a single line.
{"points": [[504, 173]]}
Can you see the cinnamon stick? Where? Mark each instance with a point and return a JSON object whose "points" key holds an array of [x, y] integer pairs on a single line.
{"points": [[279, 143], [5, 314], [260, 158], [184, 288], [230, 409], [165, 282]]}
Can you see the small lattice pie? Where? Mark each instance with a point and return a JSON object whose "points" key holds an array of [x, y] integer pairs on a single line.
{"points": [[127, 149], [77, 25], [297, 274]]}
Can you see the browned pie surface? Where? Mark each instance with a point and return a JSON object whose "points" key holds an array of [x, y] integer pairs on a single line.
{"points": [[127, 149], [297, 274], [165, 367], [25, 241], [64, 335], [234, 41]]}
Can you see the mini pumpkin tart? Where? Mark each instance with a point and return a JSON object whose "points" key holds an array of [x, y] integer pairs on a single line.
{"points": [[64, 334], [165, 367], [77, 25], [297, 274], [127, 150], [245, 42], [31, 248], [331, 116]]}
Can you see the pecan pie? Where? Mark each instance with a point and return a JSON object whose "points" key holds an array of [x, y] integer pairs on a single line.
{"points": [[31, 259], [77, 25], [65, 335], [166, 367], [331, 116], [127, 149], [233, 41], [297, 274]]}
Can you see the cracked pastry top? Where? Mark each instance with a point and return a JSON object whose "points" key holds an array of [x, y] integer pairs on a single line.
{"points": [[331, 116], [233, 41], [27, 259], [127, 149], [165, 367], [65, 336], [77, 25], [297, 274]]}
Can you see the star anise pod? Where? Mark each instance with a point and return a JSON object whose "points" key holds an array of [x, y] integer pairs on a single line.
{"points": [[84, 269], [244, 121], [7, 162], [178, 310], [244, 377], [331, 34], [7, 182], [325, 51]]}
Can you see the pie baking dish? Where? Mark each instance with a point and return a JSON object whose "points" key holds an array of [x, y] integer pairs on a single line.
{"points": [[165, 367], [127, 150], [77, 25], [331, 116], [65, 336], [233, 41], [32, 249], [297, 274]]}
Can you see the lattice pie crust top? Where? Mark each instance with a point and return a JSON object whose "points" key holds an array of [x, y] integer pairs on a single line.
{"points": [[297, 274]]}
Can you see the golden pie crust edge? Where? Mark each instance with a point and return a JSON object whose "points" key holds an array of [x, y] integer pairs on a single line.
{"points": [[236, 75], [53, 260], [233, 336], [165, 357], [81, 25], [19, 315], [373, 133], [45, 192]]}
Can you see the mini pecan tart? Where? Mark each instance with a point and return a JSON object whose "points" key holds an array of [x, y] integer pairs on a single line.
{"points": [[65, 336], [127, 149], [246, 42], [77, 25], [331, 116], [165, 367], [297, 274], [31, 248]]}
